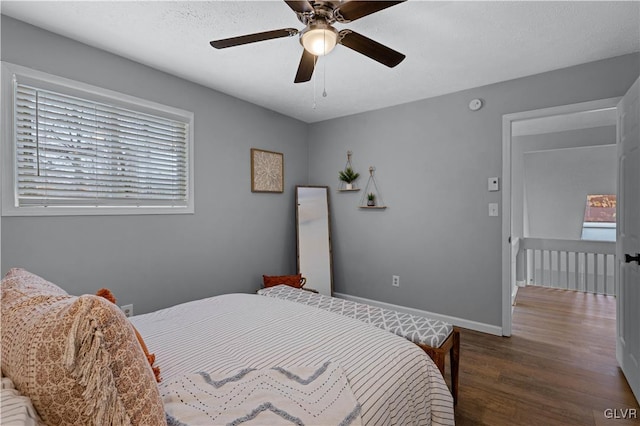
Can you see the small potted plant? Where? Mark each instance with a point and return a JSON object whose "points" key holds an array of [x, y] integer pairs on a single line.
{"points": [[348, 176], [371, 199]]}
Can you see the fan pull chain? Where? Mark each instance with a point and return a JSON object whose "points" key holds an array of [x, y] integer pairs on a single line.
{"points": [[324, 67], [314, 84], [324, 78]]}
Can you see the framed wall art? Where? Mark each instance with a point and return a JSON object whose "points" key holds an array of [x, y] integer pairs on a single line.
{"points": [[267, 171]]}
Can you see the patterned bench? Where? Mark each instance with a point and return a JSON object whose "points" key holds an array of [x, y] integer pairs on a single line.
{"points": [[435, 337]]}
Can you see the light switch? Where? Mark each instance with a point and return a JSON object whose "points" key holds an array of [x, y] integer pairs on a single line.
{"points": [[493, 209], [494, 184]]}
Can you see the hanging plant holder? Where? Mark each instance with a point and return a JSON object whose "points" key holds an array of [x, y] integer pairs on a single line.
{"points": [[348, 174], [372, 197]]}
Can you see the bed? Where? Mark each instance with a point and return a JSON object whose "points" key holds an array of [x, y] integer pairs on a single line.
{"points": [[394, 380], [236, 338]]}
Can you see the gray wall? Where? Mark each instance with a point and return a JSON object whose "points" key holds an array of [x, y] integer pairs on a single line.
{"points": [[433, 158], [558, 182], [590, 137], [154, 261]]}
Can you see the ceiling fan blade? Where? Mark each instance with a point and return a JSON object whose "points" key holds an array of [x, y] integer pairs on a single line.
{"points": [[353, 10], [376, 51], [306, 67], [252, 38], [300, 6]]}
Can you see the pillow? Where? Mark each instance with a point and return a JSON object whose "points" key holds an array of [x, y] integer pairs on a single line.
{"points": [[20, 281], [107, 294], [296, 281], [77, 358]]}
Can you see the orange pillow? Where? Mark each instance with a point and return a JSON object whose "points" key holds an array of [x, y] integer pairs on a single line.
{"points": [[296, 281], [107, 294]]}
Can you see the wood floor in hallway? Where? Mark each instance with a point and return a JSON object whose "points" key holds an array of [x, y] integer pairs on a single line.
{"points": [[558, 367]]}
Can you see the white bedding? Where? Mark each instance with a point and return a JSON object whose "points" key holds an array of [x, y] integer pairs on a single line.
{"points": [[16, 409], [316, 396], [394, 381]]}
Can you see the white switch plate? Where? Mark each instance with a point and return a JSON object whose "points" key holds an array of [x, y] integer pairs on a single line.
{"points": [[493, 184], [493, 209]]}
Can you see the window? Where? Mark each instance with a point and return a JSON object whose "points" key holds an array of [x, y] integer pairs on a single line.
{"points": [[78, 149], [599, 222]]}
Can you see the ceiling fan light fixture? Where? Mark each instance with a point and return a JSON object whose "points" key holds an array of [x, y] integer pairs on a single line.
{"points": [[319, 39]]}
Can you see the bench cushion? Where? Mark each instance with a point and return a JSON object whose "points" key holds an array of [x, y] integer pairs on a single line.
{"points": [[420, 330]]}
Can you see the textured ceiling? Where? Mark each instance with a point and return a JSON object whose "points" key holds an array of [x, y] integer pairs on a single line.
{"points": [[450, 46]]}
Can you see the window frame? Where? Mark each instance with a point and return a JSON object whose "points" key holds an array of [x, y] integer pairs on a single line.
{"points": [[599, 230], [8, 161]]}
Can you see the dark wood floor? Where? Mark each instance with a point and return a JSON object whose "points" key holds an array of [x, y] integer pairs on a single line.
{"points": [[558, 367]]}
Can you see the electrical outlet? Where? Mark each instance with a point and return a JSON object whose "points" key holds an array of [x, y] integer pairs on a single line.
{"points": [[128, 310], [395, 280]]}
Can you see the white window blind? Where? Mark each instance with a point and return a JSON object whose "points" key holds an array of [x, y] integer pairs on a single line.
{"points": [[75, 152]]}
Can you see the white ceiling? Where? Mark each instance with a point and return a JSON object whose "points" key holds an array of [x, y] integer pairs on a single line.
{"points": [[450, 46]]}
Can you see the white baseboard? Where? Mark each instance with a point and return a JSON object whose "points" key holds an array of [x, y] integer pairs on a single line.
{"points": [[460, 322]]}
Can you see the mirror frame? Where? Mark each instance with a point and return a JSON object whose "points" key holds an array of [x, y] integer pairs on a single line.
{"points": [[326, 188]]}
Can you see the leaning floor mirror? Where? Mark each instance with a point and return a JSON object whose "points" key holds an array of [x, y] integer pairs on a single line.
{"points": [[313, 230]]}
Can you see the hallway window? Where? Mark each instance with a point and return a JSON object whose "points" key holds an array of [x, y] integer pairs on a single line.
{"points": [[599, 222]]}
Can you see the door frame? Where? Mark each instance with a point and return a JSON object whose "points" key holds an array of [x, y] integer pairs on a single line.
{"points": [[507, 122]]}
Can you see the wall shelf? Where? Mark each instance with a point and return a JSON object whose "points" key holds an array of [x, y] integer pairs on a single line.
{"points": [[372, 188], [343, 185]]}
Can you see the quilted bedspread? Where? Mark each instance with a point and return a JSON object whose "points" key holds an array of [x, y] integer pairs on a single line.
{"points": [[393, 380]]}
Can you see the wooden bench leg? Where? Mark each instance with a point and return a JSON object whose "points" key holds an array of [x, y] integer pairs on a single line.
{"points": [[454, 358], [438, 358], [438, 355]]}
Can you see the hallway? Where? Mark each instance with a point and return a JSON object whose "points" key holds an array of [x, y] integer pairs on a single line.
{"points": [[558, 368]]}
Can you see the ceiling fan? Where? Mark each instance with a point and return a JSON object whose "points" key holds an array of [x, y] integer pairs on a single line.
{"points": [[319, 37]]}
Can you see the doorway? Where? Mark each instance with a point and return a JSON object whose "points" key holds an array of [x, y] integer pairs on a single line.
{"points": [[563, 118]]}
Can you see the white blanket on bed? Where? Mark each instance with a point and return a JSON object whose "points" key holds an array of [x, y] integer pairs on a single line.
{"points": [[303, 396], [394, 381], [16, 409]]}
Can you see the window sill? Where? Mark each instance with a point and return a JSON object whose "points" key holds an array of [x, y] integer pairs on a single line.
{"points": [[93, 211]]}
